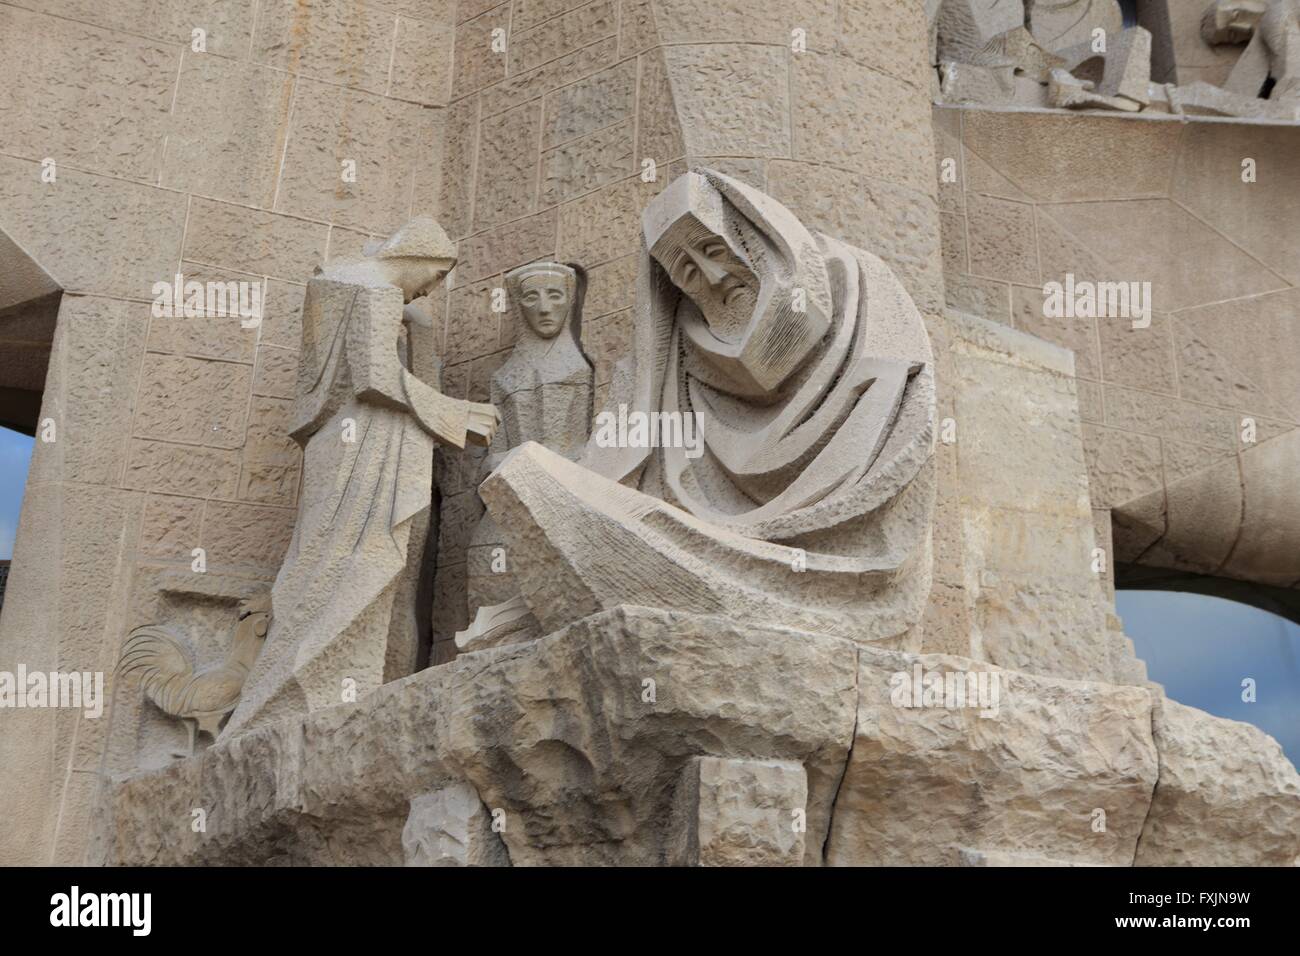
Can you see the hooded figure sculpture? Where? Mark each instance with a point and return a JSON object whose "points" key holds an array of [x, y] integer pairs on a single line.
{"points": [[367, 426], [544, 393], [544, 389], [806, 369]]}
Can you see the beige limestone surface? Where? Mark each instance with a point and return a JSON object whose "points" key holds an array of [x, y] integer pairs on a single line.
{"points": [[174, 435], [746, 726], [1168, 410], [224, 163]]}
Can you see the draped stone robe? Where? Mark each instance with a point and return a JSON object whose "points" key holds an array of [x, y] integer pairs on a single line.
{"points": [[809, 507], [367, 427], [544, 392]]}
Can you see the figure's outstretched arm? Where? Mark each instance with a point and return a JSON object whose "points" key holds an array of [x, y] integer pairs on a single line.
{"points": [[453, 421]]}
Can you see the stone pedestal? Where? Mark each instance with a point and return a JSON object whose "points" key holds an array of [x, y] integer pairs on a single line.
{"points": [[638, 738]]}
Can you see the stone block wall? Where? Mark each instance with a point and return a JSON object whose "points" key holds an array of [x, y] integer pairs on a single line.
{"points": [[1042, 194], [1039, 604], [220, 155], [525, 127]]}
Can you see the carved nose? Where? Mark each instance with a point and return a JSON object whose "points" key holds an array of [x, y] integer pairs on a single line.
{"points": [[713, 272]]}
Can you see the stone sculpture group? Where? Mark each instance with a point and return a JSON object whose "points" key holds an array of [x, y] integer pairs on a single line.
{"points": [[800, 360], [805, 367], [1078, 54], [784, 555]]}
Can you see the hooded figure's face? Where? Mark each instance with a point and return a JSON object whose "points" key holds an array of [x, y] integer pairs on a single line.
{"points": [[546, 295], [416, 276], [712, 273], [544, 301], [758, 299]]}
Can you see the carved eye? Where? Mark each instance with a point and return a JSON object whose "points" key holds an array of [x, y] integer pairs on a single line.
{"points": [[715, 250], [530, 298], [689, 272], [557, 295]]}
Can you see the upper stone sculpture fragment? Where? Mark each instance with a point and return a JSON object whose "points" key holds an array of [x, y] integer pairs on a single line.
{"points": [[1078, 54]]}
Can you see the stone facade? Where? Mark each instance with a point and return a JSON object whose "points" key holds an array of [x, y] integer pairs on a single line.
{"points": [[290, 133], [1188, 423], [224, 164]]}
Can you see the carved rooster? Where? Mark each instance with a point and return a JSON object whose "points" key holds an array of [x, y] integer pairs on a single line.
{"points": [[163, 665]]}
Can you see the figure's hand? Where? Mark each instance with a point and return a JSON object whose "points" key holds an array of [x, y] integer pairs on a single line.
{"points": [[419, 312], [484, 420]]}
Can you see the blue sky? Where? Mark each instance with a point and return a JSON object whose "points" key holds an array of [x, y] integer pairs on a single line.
{"points": [[1201, 648], [15, 455]]}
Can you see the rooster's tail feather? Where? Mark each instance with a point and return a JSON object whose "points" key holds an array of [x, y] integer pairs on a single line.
{"points": [[161, 664]]}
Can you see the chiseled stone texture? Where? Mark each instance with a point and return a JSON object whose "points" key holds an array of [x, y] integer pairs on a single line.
{"points": [[227, 25], [246, 536], [752, 80], [451, 827], [84, 97], [849, 116], [457, 187], [637, 30], [476, 63], [504, 247], [1028, 525], [637, 737], [209, 337], [923, 784], [885, 35], [90, 391], [531, 46], [227, 130], [182, 469], [254, 241], [112, 237], [894, 222], [193, 401], [550, 76], [739, 813], [600, 100], [1208, 183], [236, 155], [588, 163], [605, 224], [597, 752], [736, 21], [507, 166], [60, 590], [171, 526], [222, 162], [419, 73], [659, 129], [380, 136], [1227, 795], [335, 40]]}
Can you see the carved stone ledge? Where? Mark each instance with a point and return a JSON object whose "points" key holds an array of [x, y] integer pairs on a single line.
{"points": [[637, 737]]}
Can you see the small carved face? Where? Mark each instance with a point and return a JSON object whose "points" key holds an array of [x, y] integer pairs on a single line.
{"points": [[706, 268], [544, 300]]}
